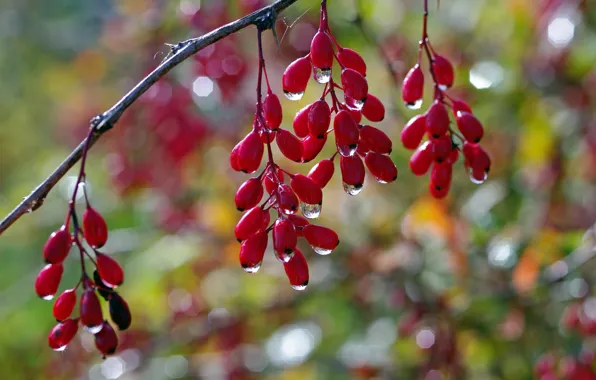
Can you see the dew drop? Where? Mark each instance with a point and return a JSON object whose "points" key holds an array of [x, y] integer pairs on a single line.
{"points": [[352, 189], [321, 251], [294, 95], [443, 87], [253, 269], [299, 287], [310, 211], [61, 348], [346, 150], [353, 104], [416, 105], [284, 257], [380, 180], [288, 211], [48, 297], [322, 75], [94, 329], [476, 180]]}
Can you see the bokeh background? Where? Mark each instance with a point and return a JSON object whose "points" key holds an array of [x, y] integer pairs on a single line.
{"points": [[418, 288]]}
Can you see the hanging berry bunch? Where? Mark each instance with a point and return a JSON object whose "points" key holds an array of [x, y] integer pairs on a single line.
{"points": [[442, 148], [107, 275]]}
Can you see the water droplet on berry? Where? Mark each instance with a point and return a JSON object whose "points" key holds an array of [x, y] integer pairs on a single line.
{"points": [[310, 211], [284, 257], [253, 269], [299, 287], [352, 189], [294, 95], [322, 75], [380, 180], [61, 348], [477, 181], [48, 297], [416, 105], [94, 329], [347, 151], [356, 104], [443, 87], [321, 251]]}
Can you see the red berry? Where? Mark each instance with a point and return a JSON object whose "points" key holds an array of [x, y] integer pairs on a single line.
{"points": [[311, 147], [300, 122], [545, 364], [250, 153], [319, 119], [249, 194], [106, 340], [469, 126], [299, 223], [119, 311], [441, 148], [354, 84], [352, 173], [373, 109], [251, 222], [352, 60], [90, 311], [421, 159], [413, 87], [297, 270], [109, 270], [322, 172], [443, 71], [413, 132], [307, 190], [284, 238], [356, 115], [295, 78], [460, 105], [289, 145], [453, 156], [346, 133], [375, 139], [571, 316], [48, 280], [64, 305], [438, 193], [57, 247], [440, 176], [271, 181], [272, 111], [62, 334], [437, 120], [266, 135], [321, 51], [381, 167], [477, 160], [323, 240], [94, 228], [234, 157], [252, 251], [287, 200]]}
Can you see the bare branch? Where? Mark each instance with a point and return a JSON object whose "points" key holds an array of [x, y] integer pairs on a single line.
{"points": [[263, 18]]}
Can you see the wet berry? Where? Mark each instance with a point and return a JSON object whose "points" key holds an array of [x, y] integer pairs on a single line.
{"points": [[94, 228], [57, 246]]}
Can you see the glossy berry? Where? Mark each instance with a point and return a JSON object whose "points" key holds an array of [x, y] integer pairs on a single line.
{"points": [[346, 133], [234, 157], [272, 111], [272, 178], [469, 126], [284, 237], [375, 140], [251, 222], [319, 119], [57, 246], [109, 270], [373, 109], [443, 71], [64, 305], [252, 251], [249, 153], [307, 190], [300, 122], [476, 159], [436, 192], [458, 105], [102, 289], [354, 84], [48, 280], [287, 200], [421, 159], [381, 167], [297, 270], [311, 147], [90, 311], [322, 172], [413, 86], [322, 239], [249, 194], [120, 312], [296, 76], [413, 132], [266, 135], [440, 176], [299, 223], [441, 148], [356, 114], [94, 228], [62, 334], [352, 60], [352, 171], [106, 340], [289, 145], [321, 51], [437, 120]]}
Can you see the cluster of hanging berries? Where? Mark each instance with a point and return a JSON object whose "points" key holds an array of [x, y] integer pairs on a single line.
{"points": [[551, 367], [107, 275], [441, 150]]}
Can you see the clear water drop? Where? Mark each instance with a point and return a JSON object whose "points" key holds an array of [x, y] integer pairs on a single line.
{"points": [[288, 211], [380, 180], [347, 150], [294, 95], [284, 257], [94, 329], [416, 105], [352, 189], [322, 75], [353, 104], [443, 87], [253, 269], [60, 349], [475, 180], [321, 251], [310, 211], [48, 297], [299, 287]]}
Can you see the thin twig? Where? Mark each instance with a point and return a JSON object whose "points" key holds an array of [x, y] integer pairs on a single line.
{"points": [[105, 121]]}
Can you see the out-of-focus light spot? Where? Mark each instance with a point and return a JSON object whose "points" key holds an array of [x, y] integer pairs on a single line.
{"points": [[433, 375], [202, 86], [190, 7], [291, 345], [557, 270], [176, 367], [180, 300], [218, 315], [69, 187], [231, 65], [578, 288], [589, 307], [132, 359], [485, 75], [112, 368], [254, 358], [560, 31], [483, 200], [382, 332], [425, 338], [501, 253]]}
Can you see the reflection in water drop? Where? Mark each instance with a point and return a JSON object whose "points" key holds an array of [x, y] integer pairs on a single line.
{"points": [[352, 189], [61, 348], [48, 297], [284, 257], [310, 211], [299, 287], [443, 87], [321, 251], [294, 95], [475, 180], [253, 269], [322, 75], [416, 105], [94, 329], [347, 150]]}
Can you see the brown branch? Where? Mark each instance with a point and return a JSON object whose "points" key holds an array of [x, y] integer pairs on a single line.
{"points": [[263, 19]]}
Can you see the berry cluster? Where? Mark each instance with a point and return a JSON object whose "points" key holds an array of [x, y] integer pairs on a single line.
{"points": [[107, 275], [311, 126], [442, 148]]}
